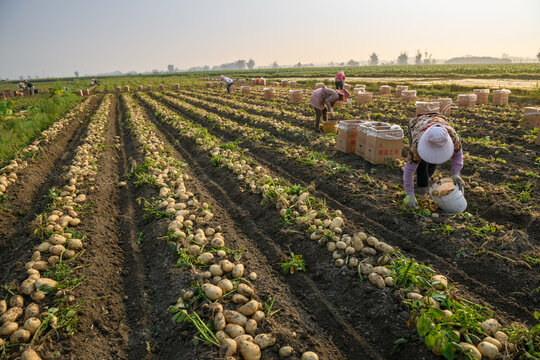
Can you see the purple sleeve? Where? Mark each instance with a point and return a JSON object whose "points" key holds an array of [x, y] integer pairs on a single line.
{"points": [[408, 177], [457, 162]]}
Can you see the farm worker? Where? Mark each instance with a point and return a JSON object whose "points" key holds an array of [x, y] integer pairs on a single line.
{"points": [[433, 141], [340, 80], [323, 100], [21, 86], [227, 81], [30, 86]]}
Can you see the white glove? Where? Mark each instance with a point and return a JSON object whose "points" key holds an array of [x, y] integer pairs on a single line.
{"points": [[410, 201], [331, 113], [458, 181]]}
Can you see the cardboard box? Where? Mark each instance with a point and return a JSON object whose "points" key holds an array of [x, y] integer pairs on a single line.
{"points": [[296, 95], [361, 135], [425, 107], [269, 93], [346, 135], [385, 89], [364, 98], [408, 95], [444, 103], [500, 97], [466, 100], [245, 89], [139, 87], [400, 88], [531, 117], [482, 96], [126, 88], [383, 145]]}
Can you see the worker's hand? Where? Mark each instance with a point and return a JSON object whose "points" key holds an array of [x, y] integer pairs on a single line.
{"points": [[458, 181], [410, 201], [331, 114]]}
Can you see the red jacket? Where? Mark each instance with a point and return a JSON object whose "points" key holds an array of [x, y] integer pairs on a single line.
{"points": [[340, 77]]}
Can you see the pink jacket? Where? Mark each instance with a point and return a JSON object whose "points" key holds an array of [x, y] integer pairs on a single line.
{"points": [[323, 97]]}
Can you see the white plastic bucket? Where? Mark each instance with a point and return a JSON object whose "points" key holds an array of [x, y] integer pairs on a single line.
{"points": [[452, 203]]}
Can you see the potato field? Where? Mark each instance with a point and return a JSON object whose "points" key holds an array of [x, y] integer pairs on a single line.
{"points": [[186, 223]]}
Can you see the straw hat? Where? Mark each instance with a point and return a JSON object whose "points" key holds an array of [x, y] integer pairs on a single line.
{"points": [[435, 145]]}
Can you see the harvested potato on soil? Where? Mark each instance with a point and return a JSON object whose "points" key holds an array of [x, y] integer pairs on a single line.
{"points": [[310, 355], [376, 280], [234, 317], [30, 354], [250, 308], [490, 326], [227, 348], [213, 292], [264, 340], [20, 336], [285, 351], [249, 350], [471, 350], [234, 330], [488, 350]]}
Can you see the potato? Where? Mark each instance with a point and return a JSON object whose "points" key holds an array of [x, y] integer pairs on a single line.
{"points": [[226, 285], [251, 326], [376, 280], [194, 250], [3, 306], [239, 299], [382, 270], [488, 350], [37, 296], [495, 342], [40, 265], [471, 350], [258, 316], [264, 340], [414, 296], [20, 336], [383, 247], [213, 292], [30, 354], [206, 274], [447, 313], [502, 337], [45, 282], [490, 326], [310, 355], [349, 250], [238, 271], [331, 246], [57, 249], [32, 324], [16, 301], [227, 266], [216, 270], [227, 348], [234, 317], [219, 321], [389, 281], [252, 276], [439, 282], [369, 251], [36, 256], [57, 239], [365, 268], [357, 244], [8, 328], [250, 308], [336, 222], [341, 245], [206, 258], [244, 337], [216, 279], [372, 241], [245, 290], [11, 315], [353, 262], [234, 330], [221, 335], [221, 253], [285, 351], [249, 350], [27, 286], [75, 244]]}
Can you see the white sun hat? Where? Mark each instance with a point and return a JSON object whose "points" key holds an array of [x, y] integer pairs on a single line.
{"points": [[435, 145]]}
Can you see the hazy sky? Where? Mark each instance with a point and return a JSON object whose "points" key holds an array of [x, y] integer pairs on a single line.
{"points": [[57, 37]]}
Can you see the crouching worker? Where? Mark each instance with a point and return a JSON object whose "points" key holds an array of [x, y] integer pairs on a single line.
{"points": [[227, 81], [433, 141], [323, 101]]}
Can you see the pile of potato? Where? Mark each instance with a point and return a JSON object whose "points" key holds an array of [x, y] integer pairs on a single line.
{"points": [[15, 327], [237, 320], [9, 172]]}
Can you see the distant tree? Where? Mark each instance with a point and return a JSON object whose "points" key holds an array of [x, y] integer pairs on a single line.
{"points": [[299, 65], [427, 58], [170, 68], [240, 64], [418, 58], [373, 59], [353, 63], [275, 65], [403, 58], [76, 73], [538, 56], [250, 63]]}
